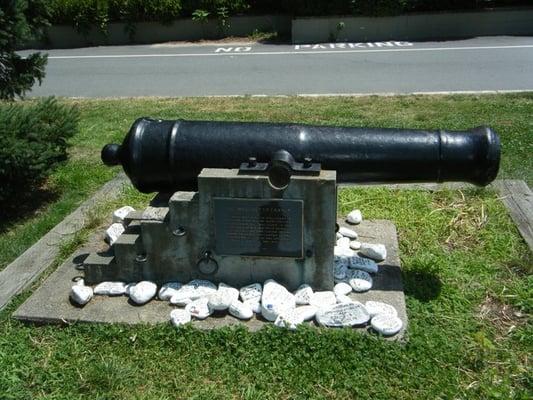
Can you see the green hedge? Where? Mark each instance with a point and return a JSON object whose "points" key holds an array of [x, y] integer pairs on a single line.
{"points": [[33, 140], [86, 13]]}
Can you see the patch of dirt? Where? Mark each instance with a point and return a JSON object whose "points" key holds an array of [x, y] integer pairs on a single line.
{"points": [[466, 220], [504, 317], [265, 38]]}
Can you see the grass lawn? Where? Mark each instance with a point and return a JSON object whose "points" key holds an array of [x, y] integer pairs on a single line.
{"points": [[467, 275]]}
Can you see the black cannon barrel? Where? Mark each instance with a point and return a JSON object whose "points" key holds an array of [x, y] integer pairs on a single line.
{"points": [[162, 155]]}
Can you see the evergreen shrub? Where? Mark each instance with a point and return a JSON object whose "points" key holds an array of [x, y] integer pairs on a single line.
{"points": [[33, 140], [20, 22]]}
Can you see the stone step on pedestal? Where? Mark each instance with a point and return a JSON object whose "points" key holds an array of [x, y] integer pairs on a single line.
{"points": [[132, 217], [133, 227], [128, 251], [157, 238], [99, 267]]}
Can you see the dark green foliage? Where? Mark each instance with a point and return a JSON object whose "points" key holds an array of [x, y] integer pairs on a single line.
{"points": [[86, 13], [379, 7], [214, 6], [20, 21], [33, 140]]}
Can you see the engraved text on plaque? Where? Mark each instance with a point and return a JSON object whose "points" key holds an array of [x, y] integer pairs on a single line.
{"points": [[259, 227]]}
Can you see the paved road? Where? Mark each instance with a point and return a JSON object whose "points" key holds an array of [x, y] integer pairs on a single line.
{"points": [[480, 64]]}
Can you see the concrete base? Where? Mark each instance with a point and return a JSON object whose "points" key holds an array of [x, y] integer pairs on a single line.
{"points": [[50, 302]]}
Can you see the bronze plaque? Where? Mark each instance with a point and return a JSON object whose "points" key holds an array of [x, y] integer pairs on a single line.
{"points": [[259, 227]]}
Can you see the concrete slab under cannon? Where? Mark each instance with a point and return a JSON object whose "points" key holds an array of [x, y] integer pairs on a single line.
{"points": [[50, 302]]}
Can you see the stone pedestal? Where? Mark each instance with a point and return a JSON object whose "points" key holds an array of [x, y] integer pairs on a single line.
{"points": [[236, 229]]}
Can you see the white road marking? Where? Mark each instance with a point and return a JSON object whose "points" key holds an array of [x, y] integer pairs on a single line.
{"points": [[279, 53]]}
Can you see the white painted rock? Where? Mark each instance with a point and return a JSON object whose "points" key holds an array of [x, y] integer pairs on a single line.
{"points": [[199, 308], [113, 233], [342, 288], [341, 260], [201, 288], [307, 313], [241, 310], [254, 304], [340, 269], [110, 288], [120, 214], [354, 217], [376, 252], [179, 317], [345, 314], [303, 294], [168, 290], [343, 242], [275, 299], [377, 307], [270, 311], [338, 235], [323, 299], [364, 264], [253, 291], [81, 294], [355, 245], [387, 325], [223, 297], [193, 290], [128, 288], [180, 301], [342, 298], [143, 292], [289, 319], [347, 232], [360, 281], [343, 252]]}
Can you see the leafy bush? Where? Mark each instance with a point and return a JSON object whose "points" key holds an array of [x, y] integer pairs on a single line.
{"points": [[20, 21], [84, 14], [33, 140], [379, 7], [142, 10], [214, 7]]}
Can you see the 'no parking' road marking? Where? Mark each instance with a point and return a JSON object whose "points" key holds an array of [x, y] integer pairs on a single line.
{"points": [[302, 49]]}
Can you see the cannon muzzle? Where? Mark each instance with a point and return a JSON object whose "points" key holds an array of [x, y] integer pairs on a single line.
{"points": [[166, 156]]}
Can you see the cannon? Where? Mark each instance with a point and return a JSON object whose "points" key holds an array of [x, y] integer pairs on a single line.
{"points": [[245, 202], [166, 156]]}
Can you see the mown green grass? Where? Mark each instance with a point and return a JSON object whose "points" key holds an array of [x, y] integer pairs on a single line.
{"points": [[467, 276]]}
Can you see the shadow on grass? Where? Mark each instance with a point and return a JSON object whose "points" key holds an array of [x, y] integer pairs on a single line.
{"points": [[422, 285], [24, 204]]}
